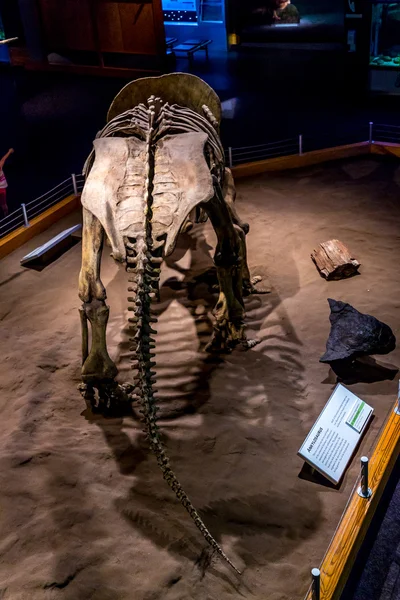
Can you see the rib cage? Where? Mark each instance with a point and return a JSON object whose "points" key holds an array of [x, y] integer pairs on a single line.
{"points": [[186, 154], [171, 119]]}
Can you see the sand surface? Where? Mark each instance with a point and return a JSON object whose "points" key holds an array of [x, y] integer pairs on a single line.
{"points": [[84, 512]]}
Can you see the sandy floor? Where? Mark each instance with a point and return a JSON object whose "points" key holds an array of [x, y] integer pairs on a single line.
{"points": [[84, 512]]}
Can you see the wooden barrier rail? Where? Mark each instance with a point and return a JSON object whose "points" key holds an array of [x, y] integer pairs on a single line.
{"points": [[296, 161], [17, 238], [340, 556]]}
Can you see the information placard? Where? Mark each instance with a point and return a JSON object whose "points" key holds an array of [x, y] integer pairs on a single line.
{"points": [[333, 438]]}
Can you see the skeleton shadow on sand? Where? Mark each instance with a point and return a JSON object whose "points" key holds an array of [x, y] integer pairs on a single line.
{"points": [[242, 445]]}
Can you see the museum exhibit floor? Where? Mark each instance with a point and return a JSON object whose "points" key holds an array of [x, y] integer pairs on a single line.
{"points": [[84, 510]]}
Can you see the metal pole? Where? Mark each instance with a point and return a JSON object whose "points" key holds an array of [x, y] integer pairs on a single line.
{"points": [[370, 131], [397, 409], [230, 157], [74, 184], [316, 584], [300, 144], [364, 491], [26, 222]]}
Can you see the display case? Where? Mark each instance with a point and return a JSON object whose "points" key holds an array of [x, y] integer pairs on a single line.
{"points": [[385, 47]]}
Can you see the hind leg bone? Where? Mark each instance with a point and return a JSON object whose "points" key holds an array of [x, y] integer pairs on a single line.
{"points": [[228, 193], [98, 370], [229, 260]]}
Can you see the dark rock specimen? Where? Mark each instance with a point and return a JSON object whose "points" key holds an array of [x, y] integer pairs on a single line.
{"points": [[354, 334]]}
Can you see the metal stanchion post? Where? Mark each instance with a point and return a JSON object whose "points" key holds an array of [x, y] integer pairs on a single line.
{"points": [[364, 491], [300, 144], [370, 132], [26, 222], [316, 584], [74, 184]]}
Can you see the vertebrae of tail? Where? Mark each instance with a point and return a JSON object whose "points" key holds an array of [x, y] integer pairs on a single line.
{"points": [[144, 259], [146, 282]]}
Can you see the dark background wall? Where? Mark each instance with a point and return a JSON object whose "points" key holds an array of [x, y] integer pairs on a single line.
{"points": [[319, 6], [10, 15]]}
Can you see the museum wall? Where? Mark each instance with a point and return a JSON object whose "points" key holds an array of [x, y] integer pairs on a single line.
{"points": [[312, 7], [125, 27], [128, 27], [67, 25]]}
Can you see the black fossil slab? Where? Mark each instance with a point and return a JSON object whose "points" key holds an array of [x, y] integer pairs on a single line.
{"points": [[354, 334]]}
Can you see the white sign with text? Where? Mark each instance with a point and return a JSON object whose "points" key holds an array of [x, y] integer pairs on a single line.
{"points": [[332, 440]]}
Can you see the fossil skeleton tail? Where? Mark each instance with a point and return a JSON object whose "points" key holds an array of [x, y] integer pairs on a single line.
{"points": [[144, 257]]}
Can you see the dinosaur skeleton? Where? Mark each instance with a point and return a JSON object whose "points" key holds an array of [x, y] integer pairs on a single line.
{"points": [[152, 166]]}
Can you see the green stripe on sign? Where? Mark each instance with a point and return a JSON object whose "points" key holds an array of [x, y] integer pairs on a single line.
{"points": [[357, 413]]}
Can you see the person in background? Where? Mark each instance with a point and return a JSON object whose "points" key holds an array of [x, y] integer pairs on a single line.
{"points": [[4, 184], [278, 5], [270, 9]]}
